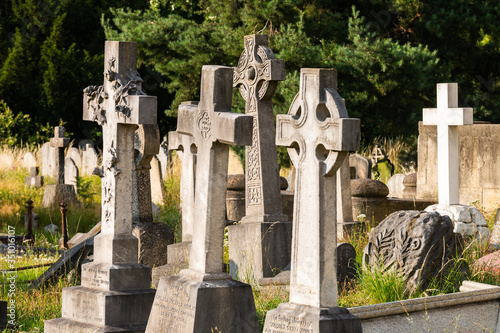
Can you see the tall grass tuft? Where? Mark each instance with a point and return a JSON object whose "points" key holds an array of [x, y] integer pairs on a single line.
{"points": [[170, 211], [402, 152]]}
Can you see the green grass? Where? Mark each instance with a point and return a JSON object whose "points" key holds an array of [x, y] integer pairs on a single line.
{"points": [[34, 306]]}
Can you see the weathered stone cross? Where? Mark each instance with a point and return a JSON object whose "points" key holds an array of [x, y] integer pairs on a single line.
{"points": [[118, 106], [257, 76], [59, 141], [319, 135], [186, 149], [447, 116], [213, 128]]}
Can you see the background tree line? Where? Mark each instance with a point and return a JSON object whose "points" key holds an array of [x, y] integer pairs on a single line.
{"points": [[389, 55]]}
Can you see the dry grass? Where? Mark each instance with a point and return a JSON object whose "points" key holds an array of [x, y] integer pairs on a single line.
{"points": [[397, 151]]}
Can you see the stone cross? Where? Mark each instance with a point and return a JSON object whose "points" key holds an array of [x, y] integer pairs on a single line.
{"points": [[447, 116], [118, 106], [186, 149], [147, 145], [257, 76], [319, 135], [59, 142], [213, 128]]}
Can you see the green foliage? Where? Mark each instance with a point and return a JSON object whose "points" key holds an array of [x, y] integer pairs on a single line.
{"points": [[88, 189]]}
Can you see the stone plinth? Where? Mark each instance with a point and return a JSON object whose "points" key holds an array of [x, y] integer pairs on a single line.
{"points": [[291, 317], [273, 241], [183, 305], [177, 260], [56, 193], [153, 240]]}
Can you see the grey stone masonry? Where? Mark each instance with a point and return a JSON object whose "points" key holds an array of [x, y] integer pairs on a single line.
{"points": [[114, 294], [260, 246], [203, 298], [59, 141], [319, 135]]}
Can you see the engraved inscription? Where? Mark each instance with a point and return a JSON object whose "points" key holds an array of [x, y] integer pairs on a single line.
{"points": [[172, 309], [284, 324]]}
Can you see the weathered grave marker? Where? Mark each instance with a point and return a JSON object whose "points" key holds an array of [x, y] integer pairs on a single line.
{"points": [[202, 297], [48, 155], [447, 116], [29, 160], [70, 172], [34, 180], [76, 155], [164, 156], [56, 193], [260, 245], [318, 135], [362, 166], [115, 289], [29, 238], [157, 189], [90, 160]]}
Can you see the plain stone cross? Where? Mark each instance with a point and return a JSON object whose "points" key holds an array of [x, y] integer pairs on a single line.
{"points": [[447, 116], [59, 142], [118, 106], [257, 76], [186, 149], [319, 135], [213, 128]]}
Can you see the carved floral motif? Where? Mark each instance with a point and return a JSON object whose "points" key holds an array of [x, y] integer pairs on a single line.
{"points": [[204, 124]]}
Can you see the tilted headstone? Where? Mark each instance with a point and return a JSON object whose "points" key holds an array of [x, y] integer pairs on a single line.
{"points": [[70, 172], [90, 160], [56, 193], [202, 297], [420, 246], [260, 246], [362, 165], [29, 160], [34, 180], [114, 291], [318, 134], [447, 116]]}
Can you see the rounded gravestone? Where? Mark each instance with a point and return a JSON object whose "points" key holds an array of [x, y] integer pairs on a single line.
{"points": [[368, 188]]}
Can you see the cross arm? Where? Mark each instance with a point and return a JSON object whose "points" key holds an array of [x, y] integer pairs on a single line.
{"points": [[186, 118], [450, 117], [285, 130], [143, 110], [234, 129], [342, 134]]}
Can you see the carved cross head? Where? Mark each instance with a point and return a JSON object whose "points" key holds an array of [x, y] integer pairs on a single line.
{"points": [[258, 71]]}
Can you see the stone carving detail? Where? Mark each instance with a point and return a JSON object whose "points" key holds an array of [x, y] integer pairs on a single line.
{"points": [[253, 155], [96, 95], [204, 124], [419, 245], [254, 195]]}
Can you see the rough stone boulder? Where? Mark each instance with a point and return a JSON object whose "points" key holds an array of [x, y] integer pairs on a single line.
{"points": [[420, 245]]}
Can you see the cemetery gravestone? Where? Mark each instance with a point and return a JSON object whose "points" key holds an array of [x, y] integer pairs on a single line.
{"points": [[48, 156], [260, 245], [318, 135], [34, 180], [362, 165], [90, 160], [395, 185], [115, 292], [76, 155], [29, 160], [447, 116], [157, 190], [70, 172], [56, 193], [203, 298]]}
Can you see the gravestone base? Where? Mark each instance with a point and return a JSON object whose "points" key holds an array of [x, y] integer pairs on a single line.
{"points": [[120, 277], [153, 240], [86, 310], [258, 250], [56, 193], [291, 317], [177, 260], [184, 304]]}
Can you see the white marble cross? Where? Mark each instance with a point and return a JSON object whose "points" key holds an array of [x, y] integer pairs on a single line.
{"points": [[257, 76], [186, 149], [118, 106], [319, 136], [447, 116], [213, 128]]}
